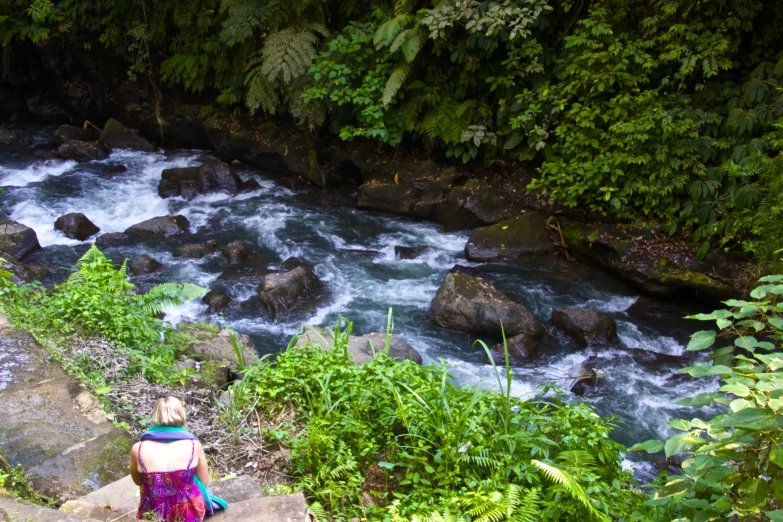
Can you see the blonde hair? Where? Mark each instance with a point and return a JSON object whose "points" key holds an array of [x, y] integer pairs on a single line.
{"points": [[169, 411]]}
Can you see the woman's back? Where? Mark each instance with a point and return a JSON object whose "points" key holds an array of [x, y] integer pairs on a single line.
{"points": [[168, 491]]}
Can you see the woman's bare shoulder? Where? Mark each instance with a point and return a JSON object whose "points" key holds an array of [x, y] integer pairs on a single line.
{"points": [[135, 449]]}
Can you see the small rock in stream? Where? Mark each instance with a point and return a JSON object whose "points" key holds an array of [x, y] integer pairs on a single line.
{"points": [[76, 226]]}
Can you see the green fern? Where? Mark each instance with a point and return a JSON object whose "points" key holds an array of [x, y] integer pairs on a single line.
{"points": [[514, 504], [390, 29], [558, 476], [169, 295], [395, 81]]}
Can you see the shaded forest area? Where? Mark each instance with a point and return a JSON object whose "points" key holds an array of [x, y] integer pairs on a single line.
{"points": [[660, 111]]}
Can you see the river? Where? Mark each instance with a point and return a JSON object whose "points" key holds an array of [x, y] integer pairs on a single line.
{"points": [[353, 253]]}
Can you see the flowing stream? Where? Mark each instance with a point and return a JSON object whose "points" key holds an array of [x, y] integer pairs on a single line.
{"points": [[353, 252]]}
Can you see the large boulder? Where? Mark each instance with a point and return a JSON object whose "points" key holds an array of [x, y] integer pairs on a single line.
{"points": [[216, 301], [513, 238], [160, 227], [586, 327], [117, 136], [81, 151], [22, 273], [189, 182], [218, 347], [471, 304], [656, 264], [144, 264], [14, 138], [281, 293], [76, 226], [521, 349], [236, 252], [70, 133], [362, 348], [112, 239], [196, 251], [16, 239]]}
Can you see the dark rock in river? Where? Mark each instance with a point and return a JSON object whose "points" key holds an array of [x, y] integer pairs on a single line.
{"points": [[295, 262], [189, 182], [236, 252], [22, 273], [657, 265], [81, 151], [471, 304], [249, 186], [15, 138], [76, 226], [585, 326], [70, 133], [513, 238], [280, 293], [196, 251], [216, 300], [521, 349], [116, 169], [112, 239], [44, 155], [45, 111], [403, 252], [16, 239], [587, 378], [117, 136], [144, 264], [160, 227]]}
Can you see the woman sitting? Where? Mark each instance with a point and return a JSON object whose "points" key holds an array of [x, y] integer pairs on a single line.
{"points": [[170, 466]]}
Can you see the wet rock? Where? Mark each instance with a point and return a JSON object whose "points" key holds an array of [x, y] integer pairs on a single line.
{"points": [[236, 252], [653, 263], [144, 264], [22, 273], [362, 348], [513, 238], [196, 251], [294, 262], [249, 186], [44, 155], [46, 111], [160, 227], [266, 144], [218, 348], [66, 133], [16, 239], [471, 304], [521, 349], [116, 169], [280, 293], [216, 301], [403, 252], [15, 138], [586, 327], [241, 276], [588, 378], [117, 136], [81, 151], [189, 182], [76, 226], [112, 239]]}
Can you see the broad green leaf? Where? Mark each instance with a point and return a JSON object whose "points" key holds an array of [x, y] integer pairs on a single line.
{"points": [[777, 278], [776, 322], [675, 487], [386, 465], [701, 340], [680, 424], [775, 516], [776, 456], [747, 342], [650, 446], [677, 444], [736, 303], [737, 388], [723, 323], [754, 492], [103, 390], [703, 370], [761, 291], [753, 419], [717, 314], [700, 400], [740, 404]]}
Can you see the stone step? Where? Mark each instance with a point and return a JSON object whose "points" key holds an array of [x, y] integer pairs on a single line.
{"points": [[84, 467], [122, 497], [43, 411], [19, 511], [285, 508]]}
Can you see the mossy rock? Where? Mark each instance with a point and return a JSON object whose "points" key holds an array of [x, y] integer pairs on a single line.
{"points": [[514, 238]]}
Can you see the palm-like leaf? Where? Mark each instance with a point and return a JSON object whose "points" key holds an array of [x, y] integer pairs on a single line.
{"points": [[558, 476]]}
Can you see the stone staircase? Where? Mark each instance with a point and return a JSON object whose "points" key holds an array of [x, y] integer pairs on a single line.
{"points": [[52, 427]]}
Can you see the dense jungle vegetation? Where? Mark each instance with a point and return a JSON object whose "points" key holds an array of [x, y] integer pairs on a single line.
{"points": [[665, 111], [400, 442]]}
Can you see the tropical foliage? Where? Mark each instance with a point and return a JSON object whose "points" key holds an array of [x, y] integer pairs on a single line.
{"points": [[734, 464], [665, 110]]}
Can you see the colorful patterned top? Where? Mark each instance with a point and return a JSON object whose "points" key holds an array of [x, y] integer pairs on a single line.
{"points": [[171, 496]]}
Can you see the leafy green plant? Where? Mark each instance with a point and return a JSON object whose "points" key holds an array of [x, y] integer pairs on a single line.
{"points": [[734, 466]]}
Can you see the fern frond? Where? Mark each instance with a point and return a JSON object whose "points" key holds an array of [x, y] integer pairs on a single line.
{"points": [[395, 81], [287, 54], [388, 31], [260, 94], [413, 43], [168, 295], [558, 476]]}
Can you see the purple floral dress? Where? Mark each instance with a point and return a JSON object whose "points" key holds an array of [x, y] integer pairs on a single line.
{"points": [[171, 496]]}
